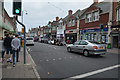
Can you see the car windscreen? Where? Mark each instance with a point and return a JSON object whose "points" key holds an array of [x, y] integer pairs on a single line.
{"points": [[94, 42], [29, 39]]}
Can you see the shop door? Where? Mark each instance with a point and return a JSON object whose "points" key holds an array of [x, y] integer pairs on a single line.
{"points": [[115, 41]]}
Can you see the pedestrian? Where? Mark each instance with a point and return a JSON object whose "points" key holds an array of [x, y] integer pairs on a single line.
{"points": [[8, 48], [2, 49], [15, 47]]}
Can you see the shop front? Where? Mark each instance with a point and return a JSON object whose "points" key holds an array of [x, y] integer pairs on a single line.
{"points": [[94, 35], [115, 36], [70, 36]]}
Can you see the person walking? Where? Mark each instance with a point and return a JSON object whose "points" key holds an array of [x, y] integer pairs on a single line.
{"points": [[2, 49], [8, 48], [15, 47]]}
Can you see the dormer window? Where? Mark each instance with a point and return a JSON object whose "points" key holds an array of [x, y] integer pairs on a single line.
{"points": [[89, 17], [95, 16]]}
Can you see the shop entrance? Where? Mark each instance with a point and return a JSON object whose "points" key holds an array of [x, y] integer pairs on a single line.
{"points": [[115, 41]]}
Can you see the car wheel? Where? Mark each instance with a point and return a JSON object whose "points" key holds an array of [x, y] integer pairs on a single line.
{"points": [[69, 49], [86, 53]]}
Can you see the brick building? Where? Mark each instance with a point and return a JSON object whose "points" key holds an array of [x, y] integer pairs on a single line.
{"points": [[96, 15]]}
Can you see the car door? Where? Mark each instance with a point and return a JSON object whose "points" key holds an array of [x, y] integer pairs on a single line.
{"points": [[75, 46], [82, 45]]}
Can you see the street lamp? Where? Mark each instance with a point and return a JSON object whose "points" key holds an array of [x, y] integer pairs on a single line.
{"points": [[23, 13]]}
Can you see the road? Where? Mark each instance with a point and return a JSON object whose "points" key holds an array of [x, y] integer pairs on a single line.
{"points": [[55, 62]]}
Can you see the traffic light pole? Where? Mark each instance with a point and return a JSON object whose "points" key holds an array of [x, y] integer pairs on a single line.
{"points": [[24, 39]]}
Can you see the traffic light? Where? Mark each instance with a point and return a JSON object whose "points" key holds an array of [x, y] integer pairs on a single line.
{"points": [[101, 27], [17, 7]]}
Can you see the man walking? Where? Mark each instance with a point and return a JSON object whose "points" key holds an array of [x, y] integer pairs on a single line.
{"points": [[8, 48], [15, 46]]}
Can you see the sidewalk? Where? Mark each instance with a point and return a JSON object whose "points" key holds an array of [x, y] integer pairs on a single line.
{"points": [[113, 50], [21, 70]]}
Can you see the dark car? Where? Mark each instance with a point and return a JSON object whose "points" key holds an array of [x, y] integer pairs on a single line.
{"points": [[36, 38]]}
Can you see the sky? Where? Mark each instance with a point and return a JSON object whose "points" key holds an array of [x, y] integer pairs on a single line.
{"points": [[40, 12]]}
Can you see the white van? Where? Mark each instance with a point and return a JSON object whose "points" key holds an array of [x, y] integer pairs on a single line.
{"points": [[29, 40]]}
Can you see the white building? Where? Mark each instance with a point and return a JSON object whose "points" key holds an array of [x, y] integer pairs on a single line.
{"points": [[60, 30]]}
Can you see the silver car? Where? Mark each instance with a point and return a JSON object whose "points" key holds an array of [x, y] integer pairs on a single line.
{"points": [[87, 47]]}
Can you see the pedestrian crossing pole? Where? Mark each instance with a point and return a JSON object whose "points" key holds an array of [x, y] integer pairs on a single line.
{"points": [[24, 39]]}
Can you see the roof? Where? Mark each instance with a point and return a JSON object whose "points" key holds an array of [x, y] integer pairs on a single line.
{"points": [[104, 6]]}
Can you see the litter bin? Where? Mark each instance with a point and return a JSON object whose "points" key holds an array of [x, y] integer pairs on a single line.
{"points": [[109, 46]]}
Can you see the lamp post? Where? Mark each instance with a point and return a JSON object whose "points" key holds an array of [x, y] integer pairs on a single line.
{"points": [[24, 36], [23, 13]]}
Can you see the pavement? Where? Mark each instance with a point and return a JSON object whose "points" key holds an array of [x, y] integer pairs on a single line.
{"points": [[21, 70]]}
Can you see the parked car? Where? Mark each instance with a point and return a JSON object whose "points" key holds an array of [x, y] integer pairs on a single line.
{"points": [[49, 42], [36, 38], [29, 41], [60, 43], [45, 40], [87, 47]]}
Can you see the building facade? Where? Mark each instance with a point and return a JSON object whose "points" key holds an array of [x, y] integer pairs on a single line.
{"points": [[95, 16]]}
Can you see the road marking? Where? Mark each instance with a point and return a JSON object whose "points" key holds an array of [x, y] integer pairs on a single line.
{"points": [[54, 59], [47, 60], [54, 47], [60, 58], [94, 72]]}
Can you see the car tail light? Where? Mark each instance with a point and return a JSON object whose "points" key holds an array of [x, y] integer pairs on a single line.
{"points": [[105, 46], [95, 47]]}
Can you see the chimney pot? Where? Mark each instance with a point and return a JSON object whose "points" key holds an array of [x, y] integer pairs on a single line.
{"points": [[70, 12], [57, 18], [95, 1]]}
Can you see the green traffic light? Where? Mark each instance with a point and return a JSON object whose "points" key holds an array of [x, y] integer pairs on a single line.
{"points": [[17, 11], [101, 29]]}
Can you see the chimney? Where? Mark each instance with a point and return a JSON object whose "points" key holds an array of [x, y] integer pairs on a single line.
{"points": [[95, 1], [57, 18], [70, 12]]}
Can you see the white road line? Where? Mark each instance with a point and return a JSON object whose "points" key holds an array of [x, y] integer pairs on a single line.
{"points": [[54, 59], [94, 72], [47, 60], [60, 58], [54, 47]]}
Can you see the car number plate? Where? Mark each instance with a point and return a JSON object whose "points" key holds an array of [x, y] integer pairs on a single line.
{"points": [[101, 47]]}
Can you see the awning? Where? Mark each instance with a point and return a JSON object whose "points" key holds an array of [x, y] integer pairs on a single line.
{"points": [[115, 26]]}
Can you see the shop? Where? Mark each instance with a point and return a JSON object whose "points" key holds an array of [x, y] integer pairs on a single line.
{"points": [[94, 35], [70, 36], [115, 36]]}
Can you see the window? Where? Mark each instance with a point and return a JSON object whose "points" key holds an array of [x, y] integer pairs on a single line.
{"points": [[118, 14], [69, 24], [83, 43], [73, 22], [95, 16], [53, 28], [89, 17], [77, 43]]}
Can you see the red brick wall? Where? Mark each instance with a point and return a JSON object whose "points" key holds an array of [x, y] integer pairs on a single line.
{"points": [[103, 19], [92, 8]]}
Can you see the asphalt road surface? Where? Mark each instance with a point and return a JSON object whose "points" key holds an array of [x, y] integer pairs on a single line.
{"points": [[55, 62]]}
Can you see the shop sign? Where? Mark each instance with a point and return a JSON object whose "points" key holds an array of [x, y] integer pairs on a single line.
{"points": [[71, 31], [92, 30]]}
